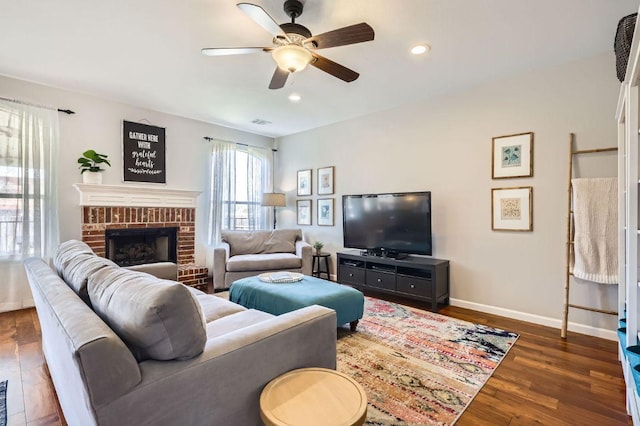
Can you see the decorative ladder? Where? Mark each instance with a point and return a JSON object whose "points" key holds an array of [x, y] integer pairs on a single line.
{"points": [[570, 234]]}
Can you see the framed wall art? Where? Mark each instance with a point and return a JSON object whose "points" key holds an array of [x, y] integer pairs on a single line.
{"points": [[512, 156], [304, 182], [303, 208], [143, 153], [512, 209], [325, 181], [325, 211]]}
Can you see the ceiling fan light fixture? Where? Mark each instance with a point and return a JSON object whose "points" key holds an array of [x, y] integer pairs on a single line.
{"points": [[292, 57]]}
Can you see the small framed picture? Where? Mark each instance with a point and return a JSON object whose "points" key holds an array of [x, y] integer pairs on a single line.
{"points": [[325, 212], [512, 156], [303, 208], [325, 181], [512, 209], [304, 182]]}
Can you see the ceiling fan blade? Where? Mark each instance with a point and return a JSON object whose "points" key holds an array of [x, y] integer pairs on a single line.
{"points": [[357, 33], [262, 18], [223, 51], [334, 68], [279, 78]]}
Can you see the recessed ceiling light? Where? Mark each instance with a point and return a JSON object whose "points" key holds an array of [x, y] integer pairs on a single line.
{"points": [[420, 49], [295, 98]]}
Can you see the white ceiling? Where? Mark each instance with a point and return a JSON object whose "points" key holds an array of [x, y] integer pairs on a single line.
{"points": [[147, 52]]}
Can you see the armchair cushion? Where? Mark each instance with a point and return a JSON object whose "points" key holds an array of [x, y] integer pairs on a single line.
{"points": [[257, 242], [263, 262], [158, 319]]}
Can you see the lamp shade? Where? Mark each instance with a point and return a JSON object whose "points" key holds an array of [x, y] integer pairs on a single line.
{"points": [[274, 199], [292, 57]]}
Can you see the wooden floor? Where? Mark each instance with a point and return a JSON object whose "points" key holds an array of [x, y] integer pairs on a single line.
{"points": [[543, 380]]}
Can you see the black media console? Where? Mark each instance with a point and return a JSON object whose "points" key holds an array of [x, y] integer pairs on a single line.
{"points": [[414, 277]]}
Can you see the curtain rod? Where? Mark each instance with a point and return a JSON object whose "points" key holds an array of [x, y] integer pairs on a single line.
{"points": [[209, 139], [66, 111]]}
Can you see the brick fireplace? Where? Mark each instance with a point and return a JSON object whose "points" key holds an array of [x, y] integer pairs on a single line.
{"points": [[106, 207]]}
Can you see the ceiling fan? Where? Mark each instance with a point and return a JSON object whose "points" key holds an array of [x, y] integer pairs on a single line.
{"points": [[294, 47]]}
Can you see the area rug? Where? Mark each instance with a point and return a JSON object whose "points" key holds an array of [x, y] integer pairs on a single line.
{"points": [[3, 403], [418, 367]]}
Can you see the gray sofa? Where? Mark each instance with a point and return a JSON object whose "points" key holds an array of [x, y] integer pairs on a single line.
{"points": [[126, 348], [247, 253]]}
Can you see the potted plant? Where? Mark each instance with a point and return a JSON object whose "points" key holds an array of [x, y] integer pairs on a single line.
{"points": [[318, 246], [91, 162]]}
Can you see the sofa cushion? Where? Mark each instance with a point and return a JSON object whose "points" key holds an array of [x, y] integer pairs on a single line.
{"points": [[255, 242], [158, 319], [263, 262], [67, 251], [214, 307], [75, 262], [236, 322]]}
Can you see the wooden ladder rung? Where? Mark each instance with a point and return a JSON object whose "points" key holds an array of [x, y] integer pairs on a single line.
{"points": [[590, 151], [588, 308]]}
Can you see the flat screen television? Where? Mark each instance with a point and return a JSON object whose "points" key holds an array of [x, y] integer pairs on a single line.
{"points": [[388, 224]]}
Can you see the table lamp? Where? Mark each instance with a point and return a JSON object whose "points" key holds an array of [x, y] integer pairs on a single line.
{"points": [[274, 199]]}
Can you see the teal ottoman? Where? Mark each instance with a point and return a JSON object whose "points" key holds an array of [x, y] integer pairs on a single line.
{"points": [[277, 299]]}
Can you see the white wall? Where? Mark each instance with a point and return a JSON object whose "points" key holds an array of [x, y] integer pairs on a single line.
{"points": [[444, 146], [97, 124]]}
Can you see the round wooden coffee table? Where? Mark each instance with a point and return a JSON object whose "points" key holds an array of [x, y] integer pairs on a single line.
{"points": [[313, 396]]}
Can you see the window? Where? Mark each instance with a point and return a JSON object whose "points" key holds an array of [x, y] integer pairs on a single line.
{"points": [[238, 207], [239, 176], [28, 137]]}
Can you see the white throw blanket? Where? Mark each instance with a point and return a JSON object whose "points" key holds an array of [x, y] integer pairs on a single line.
{"points": [[595, 212]]}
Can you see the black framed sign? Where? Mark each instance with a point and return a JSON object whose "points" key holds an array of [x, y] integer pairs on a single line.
{"points": [[143, 153]]}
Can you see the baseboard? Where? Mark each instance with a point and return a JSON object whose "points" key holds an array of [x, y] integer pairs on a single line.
{"points": [[16, 306], [536, 319]]}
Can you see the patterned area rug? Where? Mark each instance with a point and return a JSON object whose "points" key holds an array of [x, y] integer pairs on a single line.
{"points": [[417, 367], [3, 403]]}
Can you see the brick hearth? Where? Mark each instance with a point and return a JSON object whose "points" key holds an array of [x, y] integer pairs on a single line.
{"points": [[96, 219]]}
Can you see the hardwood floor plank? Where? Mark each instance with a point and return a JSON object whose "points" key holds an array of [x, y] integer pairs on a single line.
{"points": [[25, 328], [36, 383], [524, 393]]}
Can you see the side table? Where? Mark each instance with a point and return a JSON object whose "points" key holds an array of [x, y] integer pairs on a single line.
{"points": [[316, 262], [313, 397]]}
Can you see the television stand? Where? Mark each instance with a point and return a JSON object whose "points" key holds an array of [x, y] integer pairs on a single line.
{"points": [[419, 278]]}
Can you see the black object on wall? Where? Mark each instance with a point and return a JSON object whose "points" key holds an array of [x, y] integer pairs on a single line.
{"points": [[622, 43], [143, 153]]}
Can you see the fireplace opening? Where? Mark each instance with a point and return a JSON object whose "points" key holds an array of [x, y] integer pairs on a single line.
{"points": [[129, 247]]}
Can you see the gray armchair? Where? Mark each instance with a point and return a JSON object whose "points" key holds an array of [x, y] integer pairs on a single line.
{"points": [[246, 253]]}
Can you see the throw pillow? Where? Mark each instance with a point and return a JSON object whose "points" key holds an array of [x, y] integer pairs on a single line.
{"points": [[157, 319]]}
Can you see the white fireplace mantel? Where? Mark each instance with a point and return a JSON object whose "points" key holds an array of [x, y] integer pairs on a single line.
{"points": [[134, 196]]}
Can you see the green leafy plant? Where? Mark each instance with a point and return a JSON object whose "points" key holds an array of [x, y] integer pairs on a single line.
{"points": [[318, 245], [91, 161]]}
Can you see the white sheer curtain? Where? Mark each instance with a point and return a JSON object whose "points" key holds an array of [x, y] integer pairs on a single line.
{"points": [[239, 176], [221, 185], [258, 182], [28, 195]]}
